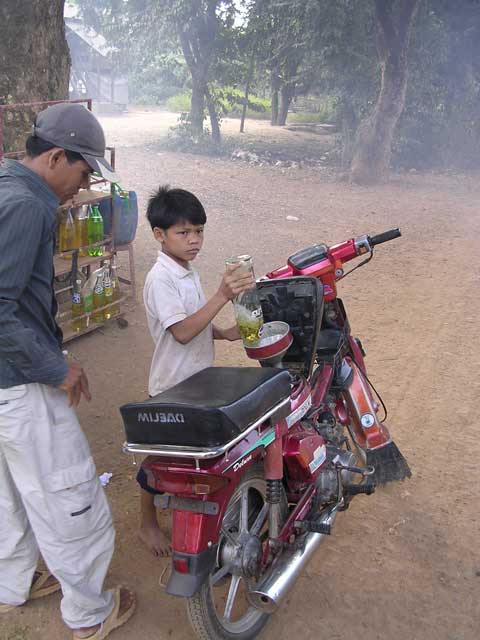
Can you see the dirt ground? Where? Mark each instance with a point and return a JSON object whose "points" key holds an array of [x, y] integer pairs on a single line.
{"points": [[405, 562]]}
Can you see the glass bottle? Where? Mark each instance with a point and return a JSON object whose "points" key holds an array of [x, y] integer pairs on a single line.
{"points": [[76, 228], [115, 288], [95, 230], [108, 293], [98, 297], [88, 303], [66, 240], [81, 229], [248, 310], [78, 324]]}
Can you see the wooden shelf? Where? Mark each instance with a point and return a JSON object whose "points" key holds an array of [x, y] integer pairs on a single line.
{"points": [[69, 334], [63, 266], [65, 311], [85, 196]]}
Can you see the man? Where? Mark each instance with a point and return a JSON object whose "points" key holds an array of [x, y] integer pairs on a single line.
{"points": [[50, 498]]}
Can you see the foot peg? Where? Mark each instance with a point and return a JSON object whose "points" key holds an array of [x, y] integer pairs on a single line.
{"points": [[355, 489], [315, 527]]}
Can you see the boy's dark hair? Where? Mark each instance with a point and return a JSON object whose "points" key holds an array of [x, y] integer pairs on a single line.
{"points": [[167, 207], [35, 146]]}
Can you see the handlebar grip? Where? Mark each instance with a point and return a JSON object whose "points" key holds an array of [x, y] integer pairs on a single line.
{"points": [[385, 237]]}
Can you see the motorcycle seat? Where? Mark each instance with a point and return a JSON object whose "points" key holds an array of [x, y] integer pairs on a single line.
{"points": [[209, 409]]}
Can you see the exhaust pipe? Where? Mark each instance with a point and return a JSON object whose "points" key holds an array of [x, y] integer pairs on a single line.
{"points": [[283, 573]]}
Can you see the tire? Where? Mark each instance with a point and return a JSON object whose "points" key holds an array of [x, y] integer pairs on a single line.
{"points": [[207, 622]]}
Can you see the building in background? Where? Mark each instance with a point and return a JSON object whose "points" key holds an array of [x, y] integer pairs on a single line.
{"points": [[92, 73]]}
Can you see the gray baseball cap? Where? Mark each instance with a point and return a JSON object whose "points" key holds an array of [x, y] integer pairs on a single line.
{"points": [[75, 128]]}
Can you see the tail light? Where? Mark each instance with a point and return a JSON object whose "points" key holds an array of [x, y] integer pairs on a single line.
{"points": [[198, 484], [180, 565]]}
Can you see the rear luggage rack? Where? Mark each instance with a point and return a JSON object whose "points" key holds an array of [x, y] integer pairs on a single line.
{"points": [[277, 413]]}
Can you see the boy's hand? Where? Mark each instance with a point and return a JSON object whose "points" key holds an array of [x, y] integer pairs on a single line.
{"points": [[235, 280]]}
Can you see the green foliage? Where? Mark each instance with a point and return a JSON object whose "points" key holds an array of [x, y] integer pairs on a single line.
{"points": [[325, 112], [161, 79], [180, 102], [185, 139], [229, 103]]}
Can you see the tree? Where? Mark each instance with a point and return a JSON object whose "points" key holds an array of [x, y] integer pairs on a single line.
{"points": [[394, 19], [155, 28], [34, 59], [284, 33], [440, 125]]}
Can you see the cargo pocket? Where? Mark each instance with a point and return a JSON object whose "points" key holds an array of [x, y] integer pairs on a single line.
{"points": [[76, 501], [14, 400]]}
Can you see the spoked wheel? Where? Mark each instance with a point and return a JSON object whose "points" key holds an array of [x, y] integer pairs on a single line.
{"points": [[220, 610]]}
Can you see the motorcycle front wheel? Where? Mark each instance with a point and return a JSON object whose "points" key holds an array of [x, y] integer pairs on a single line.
{"points": [[220, 610]]}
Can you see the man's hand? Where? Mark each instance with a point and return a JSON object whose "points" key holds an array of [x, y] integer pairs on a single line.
{"points": [[75, 384], [235, 280]]}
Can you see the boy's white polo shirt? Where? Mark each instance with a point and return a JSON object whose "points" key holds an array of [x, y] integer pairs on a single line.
{"points": [[171, 294]]}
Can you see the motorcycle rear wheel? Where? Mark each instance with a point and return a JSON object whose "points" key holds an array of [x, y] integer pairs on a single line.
{"points": [[213, 615]]}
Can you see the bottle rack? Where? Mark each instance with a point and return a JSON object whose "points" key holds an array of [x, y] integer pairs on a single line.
{"points": [[63, 267], [63, 271]]}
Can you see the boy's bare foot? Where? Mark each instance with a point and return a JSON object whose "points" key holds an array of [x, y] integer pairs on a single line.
{"points": [[156, 541], [127, 602]]}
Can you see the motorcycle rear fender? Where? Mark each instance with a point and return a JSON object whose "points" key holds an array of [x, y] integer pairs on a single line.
{"points": [[195, 535], [198, 567]]}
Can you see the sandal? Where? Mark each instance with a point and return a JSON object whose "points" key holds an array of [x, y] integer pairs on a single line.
{"points": [[39, 589], [114, 620]]}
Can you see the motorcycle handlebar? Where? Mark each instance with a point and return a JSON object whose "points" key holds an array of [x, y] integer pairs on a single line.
{"points": [[385, 237]]}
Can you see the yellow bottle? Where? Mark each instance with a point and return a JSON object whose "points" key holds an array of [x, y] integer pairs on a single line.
{"points": [[78, 309], [66, 240], [98, 298], [81, 230], [116, 289]]}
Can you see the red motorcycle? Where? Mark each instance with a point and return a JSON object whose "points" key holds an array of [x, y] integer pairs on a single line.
{"points": [[257, 462]]}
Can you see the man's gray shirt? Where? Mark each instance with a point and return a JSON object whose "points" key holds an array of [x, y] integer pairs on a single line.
{"points": [[30, 339]]}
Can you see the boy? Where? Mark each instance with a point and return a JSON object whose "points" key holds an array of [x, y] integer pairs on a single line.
{"points": [[179, 317]]}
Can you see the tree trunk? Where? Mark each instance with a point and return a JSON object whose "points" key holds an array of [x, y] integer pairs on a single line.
{"points": [[197, 107], [34, 61], [287, 93], [212, 112], [275, 82], [251, 69], [373, 145], [347, 123]]}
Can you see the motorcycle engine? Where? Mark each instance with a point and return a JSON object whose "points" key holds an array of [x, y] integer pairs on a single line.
{"points": [[327, 483]]}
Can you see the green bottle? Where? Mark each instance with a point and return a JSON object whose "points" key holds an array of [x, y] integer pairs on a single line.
{"points": [[95, 230], [108, 293]]}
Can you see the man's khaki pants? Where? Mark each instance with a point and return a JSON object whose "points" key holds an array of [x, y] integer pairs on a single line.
{"points": [[51, 501]]}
